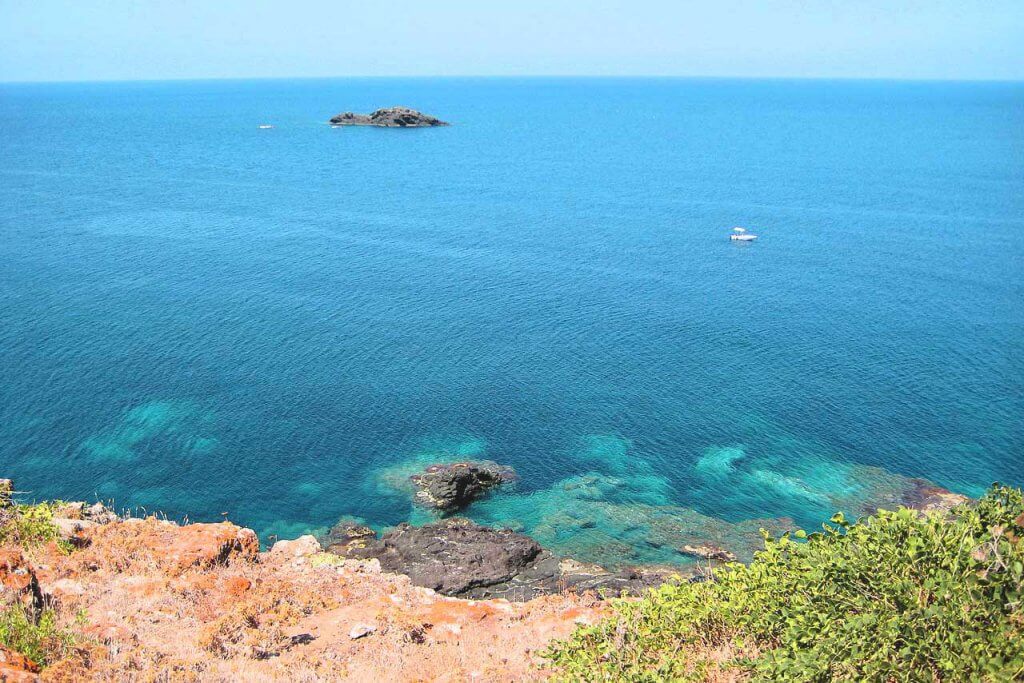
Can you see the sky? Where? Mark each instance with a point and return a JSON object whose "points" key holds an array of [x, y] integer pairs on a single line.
{"points": [[84, 40]]}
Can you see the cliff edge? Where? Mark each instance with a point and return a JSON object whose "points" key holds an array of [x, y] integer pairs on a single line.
{"points": [[85, 595]]}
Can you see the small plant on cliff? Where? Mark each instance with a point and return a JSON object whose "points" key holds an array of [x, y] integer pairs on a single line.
{"points": [[41, 640], [28, 525], [900, 596]]}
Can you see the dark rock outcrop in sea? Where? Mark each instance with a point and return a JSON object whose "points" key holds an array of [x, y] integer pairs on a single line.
{"points": [[454, 486], [460, 558], [390, 117]]}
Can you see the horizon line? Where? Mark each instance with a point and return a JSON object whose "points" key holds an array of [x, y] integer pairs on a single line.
{"points": [[209, 79]]}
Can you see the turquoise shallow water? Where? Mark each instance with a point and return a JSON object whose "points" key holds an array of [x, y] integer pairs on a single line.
{"points": [[200, 317]]}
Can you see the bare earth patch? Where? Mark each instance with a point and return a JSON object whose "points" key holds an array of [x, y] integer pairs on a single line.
{"points": [[152, 600]]}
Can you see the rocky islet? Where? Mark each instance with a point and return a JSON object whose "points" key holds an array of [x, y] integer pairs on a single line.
{"points": [[453, 486], [389, 117]]}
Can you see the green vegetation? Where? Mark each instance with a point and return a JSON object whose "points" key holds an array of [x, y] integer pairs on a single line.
{"points": [[28, 525], [41, 640], [900, 596], [326, 560], [33, 634]]}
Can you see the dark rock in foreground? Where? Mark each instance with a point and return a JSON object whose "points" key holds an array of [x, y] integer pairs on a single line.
{"points": [[391, 117], [460, 558], [456, 485], [456, 556], [351, 540]]}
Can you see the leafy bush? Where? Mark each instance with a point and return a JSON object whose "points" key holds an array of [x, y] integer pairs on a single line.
{"points": [[900, 596], [28, 525], [41, 640]]}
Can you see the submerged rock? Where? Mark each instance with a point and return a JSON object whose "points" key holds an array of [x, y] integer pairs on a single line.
{"points": [[454, 486], [460, 558], [916, 494], [927, 497], [390, 117], [352, 540]]}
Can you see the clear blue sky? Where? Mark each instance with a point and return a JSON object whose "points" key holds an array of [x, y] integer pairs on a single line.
{"points": [[158, 39]]}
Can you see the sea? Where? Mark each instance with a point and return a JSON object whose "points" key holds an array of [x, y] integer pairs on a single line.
{"points": [[205, 319]]}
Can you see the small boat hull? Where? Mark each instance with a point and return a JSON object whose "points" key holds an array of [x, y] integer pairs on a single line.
{"points": [[743, 238]]}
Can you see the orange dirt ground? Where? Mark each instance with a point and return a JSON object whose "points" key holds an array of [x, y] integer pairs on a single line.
{"points": [[154, 601]]}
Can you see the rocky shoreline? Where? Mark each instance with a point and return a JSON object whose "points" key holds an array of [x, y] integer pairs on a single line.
{"points": [[137, 595], [460, 558], [457, 557]]}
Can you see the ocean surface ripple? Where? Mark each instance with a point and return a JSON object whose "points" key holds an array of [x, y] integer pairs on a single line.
{"points": [[201, 317]]}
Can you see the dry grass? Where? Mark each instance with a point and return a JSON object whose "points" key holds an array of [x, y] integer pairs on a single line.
{"points": [[276, 618]]}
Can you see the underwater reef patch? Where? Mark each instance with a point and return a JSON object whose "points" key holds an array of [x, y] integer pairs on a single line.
{"points": [[188, 428]]}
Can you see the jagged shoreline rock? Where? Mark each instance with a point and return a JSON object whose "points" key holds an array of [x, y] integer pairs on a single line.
{"points": [[351, 540], [453, 486], [453, 556], [389, 117], [460, 558]]}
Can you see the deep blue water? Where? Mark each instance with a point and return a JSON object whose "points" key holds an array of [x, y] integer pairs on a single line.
{"points": [[198, 316]]}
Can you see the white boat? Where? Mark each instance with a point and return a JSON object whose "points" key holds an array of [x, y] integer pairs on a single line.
{"points": [[740, 235], [264, 126]]}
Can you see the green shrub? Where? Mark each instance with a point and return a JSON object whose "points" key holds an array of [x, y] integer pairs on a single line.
{"points": [[28, 525], [41, 640], [900, 596]]}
